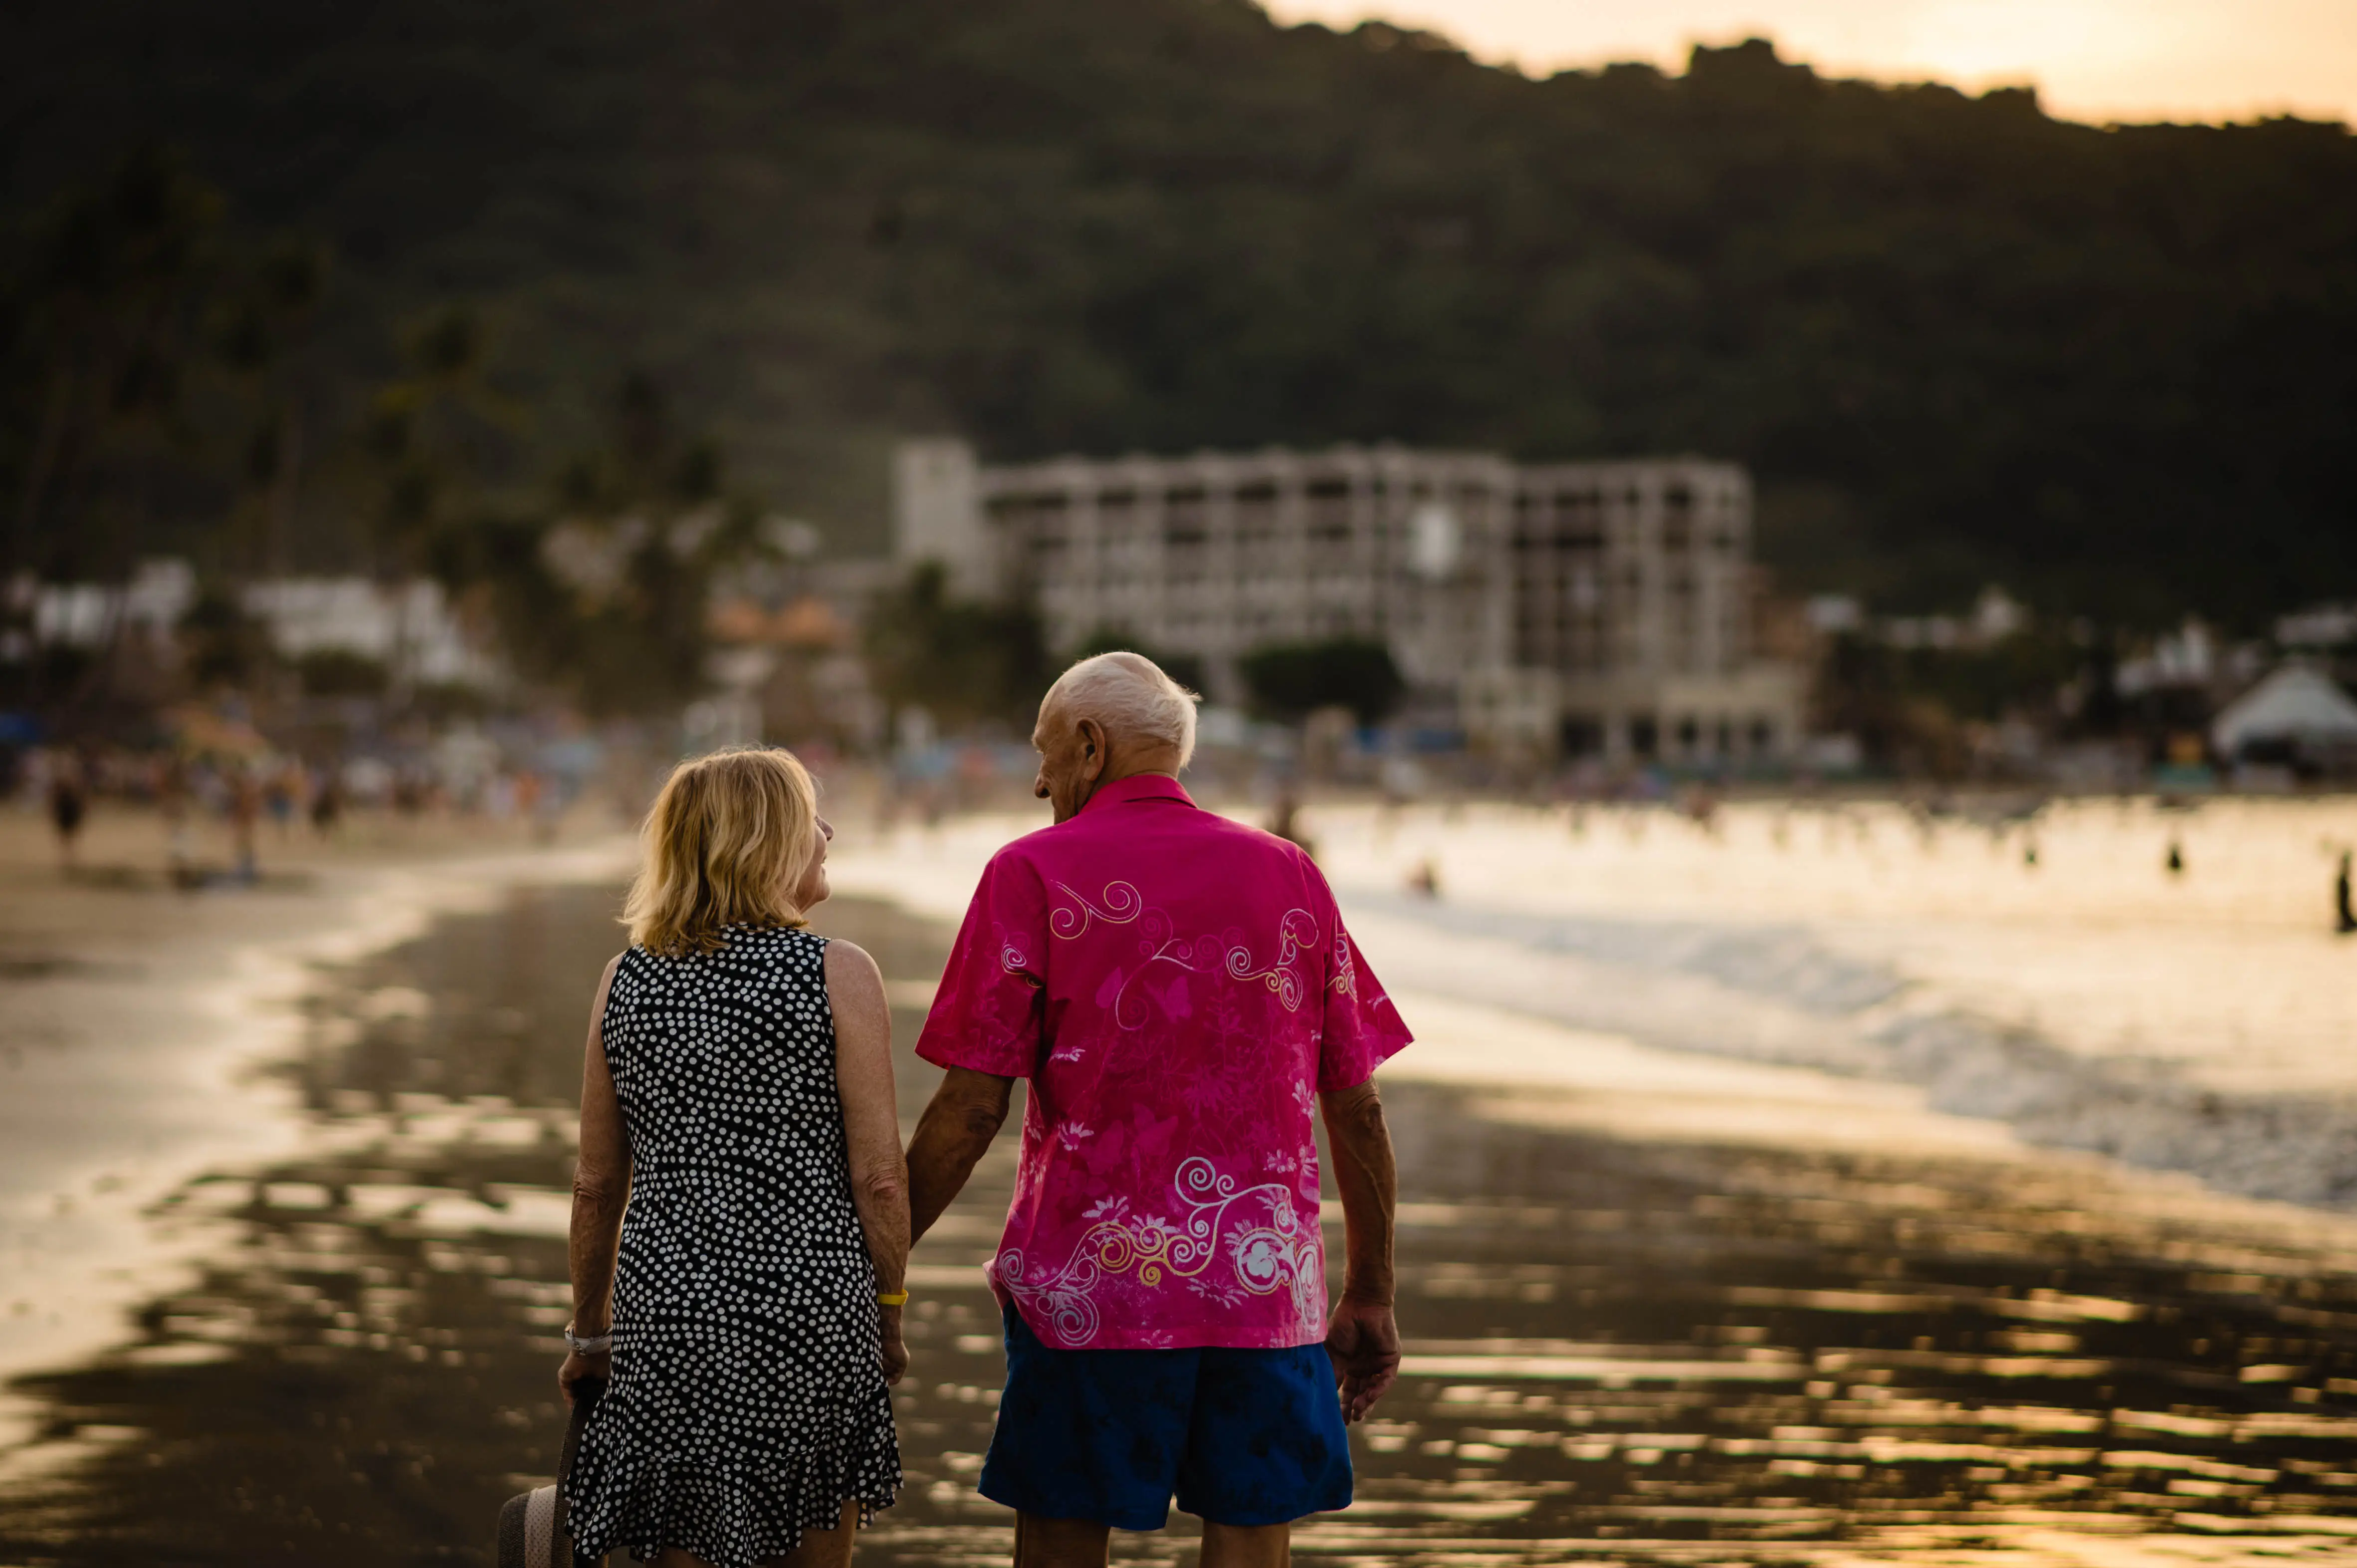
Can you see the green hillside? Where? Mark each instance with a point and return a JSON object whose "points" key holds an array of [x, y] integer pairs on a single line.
{"points": [[1956, 339]]}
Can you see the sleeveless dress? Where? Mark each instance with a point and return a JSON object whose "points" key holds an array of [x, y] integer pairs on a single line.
{"points": [[748, 1402]]}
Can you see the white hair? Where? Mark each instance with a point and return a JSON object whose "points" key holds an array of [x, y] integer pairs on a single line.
{"points": [[1129, 695]]}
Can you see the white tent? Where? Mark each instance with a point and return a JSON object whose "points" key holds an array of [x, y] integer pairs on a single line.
{"points": [[2295, 704]]}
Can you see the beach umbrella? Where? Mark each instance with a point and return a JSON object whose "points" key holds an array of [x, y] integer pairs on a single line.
{"points": [[199, 731], [2295, 706]]}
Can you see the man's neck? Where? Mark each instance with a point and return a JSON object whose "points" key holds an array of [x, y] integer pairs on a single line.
{"points": [[1161, 768]]}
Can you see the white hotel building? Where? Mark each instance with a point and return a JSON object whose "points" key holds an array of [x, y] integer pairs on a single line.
{"points": [[1586, 607]]}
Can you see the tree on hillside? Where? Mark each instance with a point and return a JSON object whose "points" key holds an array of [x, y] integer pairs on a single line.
{"points": [[104, 321], [603, 590], [162, 379], [1184, 668], [1294, 680], [434, 438], [962, 663], [1957, 340], [138, 338], [264, 336]]}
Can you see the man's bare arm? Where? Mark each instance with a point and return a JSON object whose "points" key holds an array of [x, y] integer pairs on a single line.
{"points": [[1363, 1338], [964, 1116]]}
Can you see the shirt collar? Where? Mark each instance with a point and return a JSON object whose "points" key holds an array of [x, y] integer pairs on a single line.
{"points": [[1137, 787]]}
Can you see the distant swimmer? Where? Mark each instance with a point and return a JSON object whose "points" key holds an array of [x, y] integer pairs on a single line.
{"points": [[2345, 920]]}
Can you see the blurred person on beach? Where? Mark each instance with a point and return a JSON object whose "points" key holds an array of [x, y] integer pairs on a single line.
{"points": [[1180, 993], [68, 803], [327, 800], [740, 1214], [244, 817], [1284, 819], [409, 793], [549, 809], [172, 805], [282, 795]]}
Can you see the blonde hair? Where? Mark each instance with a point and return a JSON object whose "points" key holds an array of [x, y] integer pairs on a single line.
{"points": [[725, 844], [1129, 695]]}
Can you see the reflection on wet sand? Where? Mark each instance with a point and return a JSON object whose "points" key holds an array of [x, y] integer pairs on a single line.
{"points": [[1623, 1347]]}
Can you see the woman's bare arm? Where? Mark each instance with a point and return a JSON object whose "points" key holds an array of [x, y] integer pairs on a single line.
{"points": [[871, 1127], [602, 1190]]}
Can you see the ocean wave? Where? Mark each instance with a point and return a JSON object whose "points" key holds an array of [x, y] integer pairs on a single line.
{"points": [[1783, 994]]}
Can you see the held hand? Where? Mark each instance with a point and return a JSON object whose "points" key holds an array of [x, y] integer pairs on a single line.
{"points": [[1363, 1343], [895, 1350], [578, 1366]]}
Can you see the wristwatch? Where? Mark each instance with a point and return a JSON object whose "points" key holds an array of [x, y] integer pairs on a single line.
{"points": [[595, 1345]]}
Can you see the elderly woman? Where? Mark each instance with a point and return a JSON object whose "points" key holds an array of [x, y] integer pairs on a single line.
{"points": [[744, 1307]]}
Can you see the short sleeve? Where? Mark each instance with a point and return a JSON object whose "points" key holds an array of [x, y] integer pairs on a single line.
{"points": [[1361, 1030], [987, 1012]]}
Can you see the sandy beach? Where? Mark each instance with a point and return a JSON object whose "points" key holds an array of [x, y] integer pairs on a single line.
{"points": [[1683, 1281], [135, 1018]]}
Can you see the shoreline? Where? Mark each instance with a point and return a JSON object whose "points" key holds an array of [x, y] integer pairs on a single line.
{"points": [[2091, 1001], [1841, 1324], [138, 1025]]}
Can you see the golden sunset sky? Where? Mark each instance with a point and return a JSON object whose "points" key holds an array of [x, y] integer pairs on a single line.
{"points": [[2090, 59]]}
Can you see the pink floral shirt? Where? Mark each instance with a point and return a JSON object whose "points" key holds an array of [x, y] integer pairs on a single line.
{"points": [[1178, 988]]}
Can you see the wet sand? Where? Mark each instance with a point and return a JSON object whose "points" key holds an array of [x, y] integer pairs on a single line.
{"points": [[1659, 1309], [132, 1016]]}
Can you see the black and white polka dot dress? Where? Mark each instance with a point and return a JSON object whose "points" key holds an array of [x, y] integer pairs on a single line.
{"points": [[748, 1402]]}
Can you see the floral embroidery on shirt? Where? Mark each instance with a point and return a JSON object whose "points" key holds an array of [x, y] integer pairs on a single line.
{"points": [[1123, 904], [1296, 932], [1011, 957], [1256, 1230], [1345, 980]]}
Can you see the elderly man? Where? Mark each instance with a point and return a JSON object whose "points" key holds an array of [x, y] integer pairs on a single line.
{"points": [[1179, 991]]}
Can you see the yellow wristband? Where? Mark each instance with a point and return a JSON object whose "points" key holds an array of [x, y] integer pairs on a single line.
{"points": [[891, 1298]]}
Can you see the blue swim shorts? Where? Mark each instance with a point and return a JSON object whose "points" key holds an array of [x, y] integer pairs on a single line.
{"points": [[1243, 1437]]}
